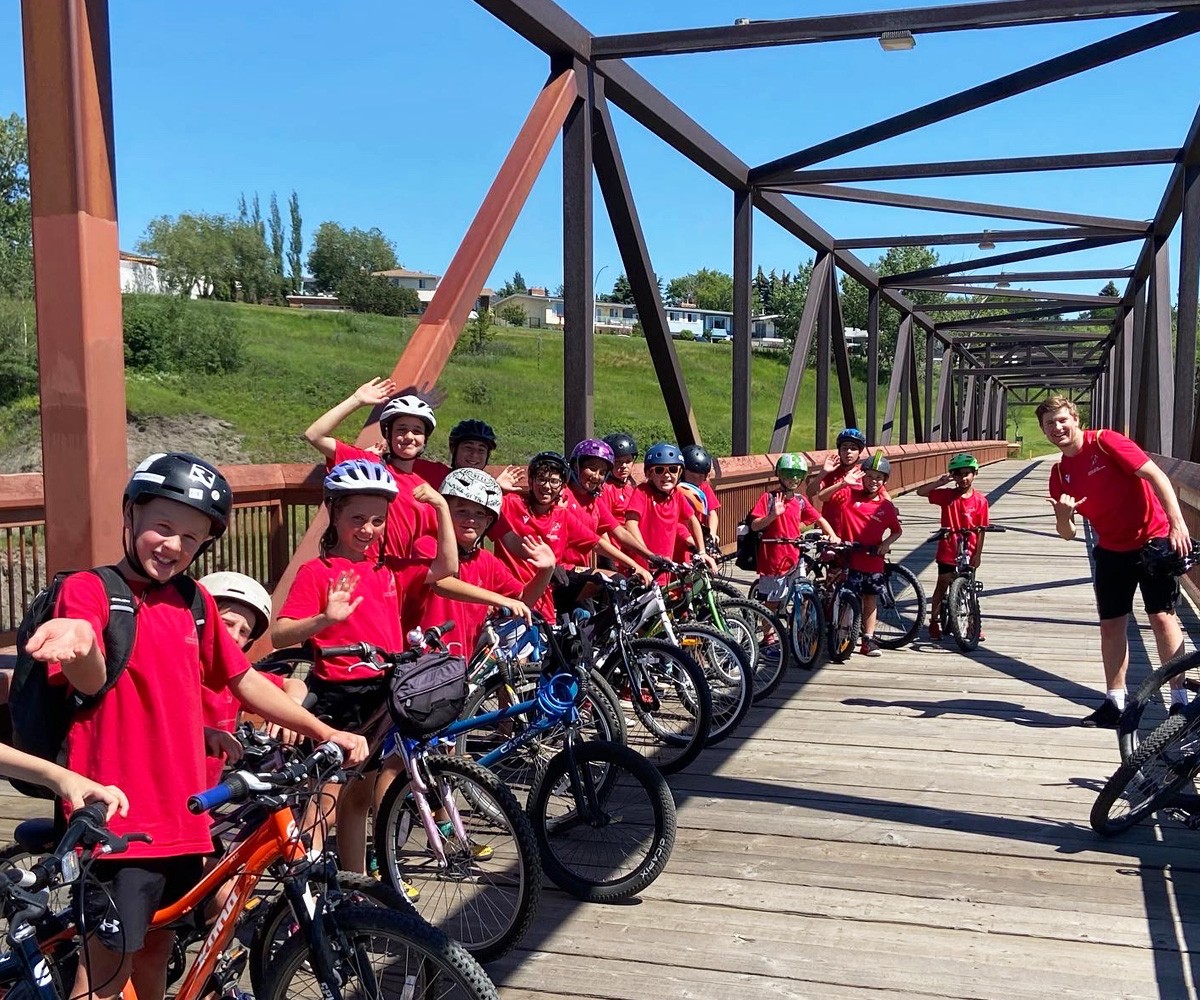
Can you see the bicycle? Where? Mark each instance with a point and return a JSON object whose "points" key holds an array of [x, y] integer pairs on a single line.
{"points": [[959, 612], [823, 606]]}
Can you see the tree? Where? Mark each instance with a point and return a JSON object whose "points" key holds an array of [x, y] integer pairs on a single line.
{"points": [[514, 286], [373, 294], [295, 246], [621, 291], [277, 236], [478, 333], [338, 253], [219, 257], [706, 288], [512, 314], [16, 225]]}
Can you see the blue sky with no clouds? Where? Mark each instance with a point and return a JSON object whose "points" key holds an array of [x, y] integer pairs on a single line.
{"points": [[397, 115]]}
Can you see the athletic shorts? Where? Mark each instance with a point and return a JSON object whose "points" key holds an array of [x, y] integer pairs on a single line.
{"points": [[866, 583], [119, 899], [946, 569], [1119, 574], [772, 589]]}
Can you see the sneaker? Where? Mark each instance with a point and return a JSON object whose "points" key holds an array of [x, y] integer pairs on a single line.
{"points": [[1105, 717], [935, 631], [870, 647], [479, 852], [770, 650], [411, 892]]}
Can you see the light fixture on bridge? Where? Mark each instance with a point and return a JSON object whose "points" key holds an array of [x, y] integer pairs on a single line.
{"points": [[986, 243], [1003, 282], [741, 22], [897, 41]]}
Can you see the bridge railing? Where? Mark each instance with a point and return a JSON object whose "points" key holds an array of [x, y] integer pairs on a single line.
{"points": [[275, 504]]}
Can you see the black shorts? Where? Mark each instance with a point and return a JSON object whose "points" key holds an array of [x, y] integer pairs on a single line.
{"points": [[348, 705], [865, 583], [946, 569], [118, 910], [1119, 574]]}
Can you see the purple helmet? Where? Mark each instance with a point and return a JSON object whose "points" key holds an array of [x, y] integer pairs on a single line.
{"points": [[592, 448]]}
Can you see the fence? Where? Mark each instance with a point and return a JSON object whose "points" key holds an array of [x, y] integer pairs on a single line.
{"points": [[275, 504]]}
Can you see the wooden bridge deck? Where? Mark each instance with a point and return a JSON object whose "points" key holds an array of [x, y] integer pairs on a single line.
{"points": [[912, 826]]}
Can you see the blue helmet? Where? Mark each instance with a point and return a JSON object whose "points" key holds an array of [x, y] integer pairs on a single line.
{"points": [[358, 477], [853, 434], [662, 453]]}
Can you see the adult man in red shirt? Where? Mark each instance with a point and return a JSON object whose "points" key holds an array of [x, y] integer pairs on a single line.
{"points": [[1127, 500]]}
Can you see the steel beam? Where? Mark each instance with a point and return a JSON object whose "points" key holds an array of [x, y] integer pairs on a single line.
{"points": [[579, 295], [786, 416], [824, 344], [1128, 43], [1049, 371], [955, 324], [1141, 400], [994, 235], [1158, 327], [899, 377], [1124, 370], [928, 429], [1187, 442], [743, 251], [914, 391], [962, 281], [841, 353], [631, 241], [940, 428], [1077, 303], [81, 368], [872, 364]]}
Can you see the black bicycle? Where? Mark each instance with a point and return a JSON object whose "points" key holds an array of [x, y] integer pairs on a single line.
{"points": [[960, 614]]}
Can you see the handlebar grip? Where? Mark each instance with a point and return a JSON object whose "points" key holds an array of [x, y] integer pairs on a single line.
{"points": [[359, 649], [232, 789], [442, 629]]}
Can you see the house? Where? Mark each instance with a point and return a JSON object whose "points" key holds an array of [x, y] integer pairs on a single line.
{"points": [[140, 274], [425, 284]]}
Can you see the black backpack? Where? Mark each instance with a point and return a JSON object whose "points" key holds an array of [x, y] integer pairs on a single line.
{"points": [[427, 695], [41, 712], [745, 556]]}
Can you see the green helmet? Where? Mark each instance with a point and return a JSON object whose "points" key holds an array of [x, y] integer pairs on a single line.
{"points": [[793, 464], [963, 461], [877, 463]]}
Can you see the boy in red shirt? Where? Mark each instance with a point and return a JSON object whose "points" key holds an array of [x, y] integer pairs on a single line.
{"points": [[961, 507], [1130, 503], [657, 510], [697, 467], [471, 445], [869, 518], [839, 475], [146, 734]]}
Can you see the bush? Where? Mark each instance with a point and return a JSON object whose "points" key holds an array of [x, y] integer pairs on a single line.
{"points": [[18, 351], [511, 314], [477, 334], [477, 392], [368, 293], [687, 333], [164, 333]]}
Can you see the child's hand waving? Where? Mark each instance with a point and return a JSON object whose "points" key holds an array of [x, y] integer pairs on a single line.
{"points": [[341, 602], [378, 390]]}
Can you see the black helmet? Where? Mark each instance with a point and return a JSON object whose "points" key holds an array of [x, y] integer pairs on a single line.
{"points": [[1160, 560], [696, 459], [548, 460], [472, 430], [185, 479], [622, 445]]}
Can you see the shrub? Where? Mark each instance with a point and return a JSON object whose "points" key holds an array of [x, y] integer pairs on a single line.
{"points": [[371, 294], [477, 334], [18, 351], [477, 392], [511, 314], [164, 333]]}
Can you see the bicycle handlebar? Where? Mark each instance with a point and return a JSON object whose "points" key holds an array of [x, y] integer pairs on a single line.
{"points": [[241, 785], [431, 638], [975, 530]]}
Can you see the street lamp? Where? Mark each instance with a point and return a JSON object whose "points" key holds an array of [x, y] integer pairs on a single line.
{"points": [[986, 243], [595, 282], [897, 41]]}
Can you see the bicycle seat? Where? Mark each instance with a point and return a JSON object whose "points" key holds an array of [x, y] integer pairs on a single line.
{"points": [[37, 836]]}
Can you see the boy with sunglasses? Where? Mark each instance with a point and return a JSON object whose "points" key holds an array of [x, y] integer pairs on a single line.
{"points": [[657, 510], [962, 507]]}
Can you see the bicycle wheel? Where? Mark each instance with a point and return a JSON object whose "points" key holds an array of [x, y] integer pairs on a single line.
{"points": [[900, 607], [1150, 704], [845, 623], [599, 715], [379, 953], [617, 837], [487, 903], [1149, 780], [763, 639], [808, 628], [727, 672], [964, 613], [726, 588]]}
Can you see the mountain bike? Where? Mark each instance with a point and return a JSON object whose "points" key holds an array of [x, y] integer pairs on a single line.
{"points": [[959, 613]]}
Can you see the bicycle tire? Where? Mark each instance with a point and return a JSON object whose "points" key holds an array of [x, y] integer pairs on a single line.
{"points": [[771, 660], [727, 671], [964, 613], [492, 919], [726, 589], [844, 625], [807, 631], [670, 723], [423, 962], [1159, 768], [600, 718], [900, 608], [1150, 704], [275, 926], [636, 830]]}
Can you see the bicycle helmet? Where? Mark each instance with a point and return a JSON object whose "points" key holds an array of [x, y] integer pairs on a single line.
{"points": [[963, 461], [548, 460], [854, 435], [406, 406], [238, 587], [359, 477], [662, 453], [876, 463], [472, 430], [592, 448], [695, 496], [622, 445], [474, 485], [696, 459], [793, 464], [186, 479], [1160, 560]]}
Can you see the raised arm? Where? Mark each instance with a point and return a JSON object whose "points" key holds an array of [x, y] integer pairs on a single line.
{"points": [[320, 432]]}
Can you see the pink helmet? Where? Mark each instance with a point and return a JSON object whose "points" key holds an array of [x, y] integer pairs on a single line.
{"points": [[591, 448]]}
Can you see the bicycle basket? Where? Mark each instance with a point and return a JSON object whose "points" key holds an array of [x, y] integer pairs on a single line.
{"points": [[428, 695]]}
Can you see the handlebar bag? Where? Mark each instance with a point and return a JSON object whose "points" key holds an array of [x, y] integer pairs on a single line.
{"points": [[428, 695]]}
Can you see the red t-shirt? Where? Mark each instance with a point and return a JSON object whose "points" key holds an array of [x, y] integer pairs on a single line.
{"points": [[407, 519], [617, 496], [424, 608], [220, 712], [959, 511], [559, 527], [711, 496], [434, 473], [596, 513], [146, 735], [376, 620], [684, 548], [866, 522], [831, 508], [1122, 508], [776, 560], [659, 517]]}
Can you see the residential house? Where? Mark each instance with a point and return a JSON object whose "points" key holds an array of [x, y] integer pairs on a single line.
{"points": [[141, 275], [425, 284]]}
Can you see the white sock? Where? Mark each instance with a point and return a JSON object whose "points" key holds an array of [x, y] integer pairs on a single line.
{"points": [[1117, 697], [1179, 696]]}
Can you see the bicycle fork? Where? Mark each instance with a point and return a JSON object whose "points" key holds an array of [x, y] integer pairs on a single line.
{"points": [[421, 790]]}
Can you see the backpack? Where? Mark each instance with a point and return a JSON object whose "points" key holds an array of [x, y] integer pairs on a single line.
{"points": [[41, 712], [427, 695], [745, 556]]}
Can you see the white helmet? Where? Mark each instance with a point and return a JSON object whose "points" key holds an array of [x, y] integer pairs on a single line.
{"points": [[474, 485], [406, 406], [237, 587], [359, 476]]}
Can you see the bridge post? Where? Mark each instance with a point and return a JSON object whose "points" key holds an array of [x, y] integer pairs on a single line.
{"points": [[824, 338], [1158, 330], [1124, 375], [929, 418], [81, 360], [743, 248], [1139, 394], [579, 294], [1187, 445], [872, 365]]}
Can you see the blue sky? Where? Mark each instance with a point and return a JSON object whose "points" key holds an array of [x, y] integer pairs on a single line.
{"points": [[397, 115]]}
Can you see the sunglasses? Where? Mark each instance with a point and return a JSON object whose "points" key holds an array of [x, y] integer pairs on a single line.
{"points": [[659, 470]]}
